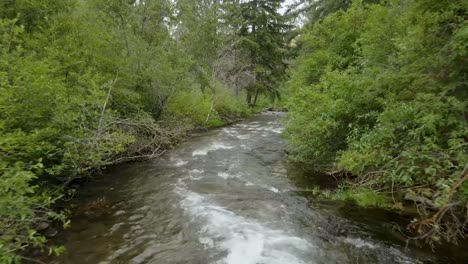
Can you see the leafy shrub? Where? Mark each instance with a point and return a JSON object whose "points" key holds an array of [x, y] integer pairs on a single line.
{"points": [[202, 109], [22, 206], [380, 91], [229, 107], [193, 106]]}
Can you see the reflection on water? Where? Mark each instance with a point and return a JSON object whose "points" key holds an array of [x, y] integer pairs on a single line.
{"points": [[222, 197]]}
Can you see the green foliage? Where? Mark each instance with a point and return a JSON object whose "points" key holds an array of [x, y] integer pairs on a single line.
{"points": [[20, 207], [319, 9], [364, 197], [201, 109], [229, 107], [380, 90], [361, 196], [193, 107], [260, 35], [85, 84]]}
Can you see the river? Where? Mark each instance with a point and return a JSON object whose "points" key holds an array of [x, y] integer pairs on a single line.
{"points": [[224, 196]]}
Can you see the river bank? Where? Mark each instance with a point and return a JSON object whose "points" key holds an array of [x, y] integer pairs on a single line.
{"points": [[386, 221]]}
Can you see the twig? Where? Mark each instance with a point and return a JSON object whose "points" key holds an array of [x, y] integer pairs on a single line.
{"points": [[103, 110]]}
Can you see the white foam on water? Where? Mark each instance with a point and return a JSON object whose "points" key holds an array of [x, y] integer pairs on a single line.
{"points": [[212, 147], [119, 212], [180, 162], [196, 174], [245, 241], [230, 131], [243, 136], [115, 227], [398, 256], [201, 152], [243, 146], [273, 189], [270, 188], [359, 243], [277, 130], [241, 125], [249, 183], [224, 175]]}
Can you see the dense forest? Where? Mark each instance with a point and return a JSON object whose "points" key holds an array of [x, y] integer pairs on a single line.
{"points": [[375, 91]]}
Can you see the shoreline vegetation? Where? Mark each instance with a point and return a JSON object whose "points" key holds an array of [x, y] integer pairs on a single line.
{"points": [[378, 99], [365, 205]]}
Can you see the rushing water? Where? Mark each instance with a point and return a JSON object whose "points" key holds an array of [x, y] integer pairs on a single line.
{"points": [[222, 197]]}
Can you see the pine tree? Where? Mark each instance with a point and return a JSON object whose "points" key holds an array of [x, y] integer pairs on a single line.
{"points": [[260, 32]]}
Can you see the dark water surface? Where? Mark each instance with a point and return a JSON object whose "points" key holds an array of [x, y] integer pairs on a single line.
{"points": [[224, 197]]}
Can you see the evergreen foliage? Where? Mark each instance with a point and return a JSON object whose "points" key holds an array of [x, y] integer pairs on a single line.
{"points": [[260, 34]]}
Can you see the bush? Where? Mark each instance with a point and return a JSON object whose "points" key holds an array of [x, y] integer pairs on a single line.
{"points": [[379, 91], [21, 207], [192, 106], [203, 109]]}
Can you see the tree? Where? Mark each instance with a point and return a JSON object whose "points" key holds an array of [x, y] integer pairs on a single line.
{"points": [[259, 33]]}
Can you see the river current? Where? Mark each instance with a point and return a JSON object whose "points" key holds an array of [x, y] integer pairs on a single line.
{"points": [[222, 197]]}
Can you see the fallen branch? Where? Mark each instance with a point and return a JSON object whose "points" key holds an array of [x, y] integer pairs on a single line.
{"points": [[430, 227]]}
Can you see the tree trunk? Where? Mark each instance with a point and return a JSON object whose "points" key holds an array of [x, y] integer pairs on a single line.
{"points": [[249, 98], [256, 96]]}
